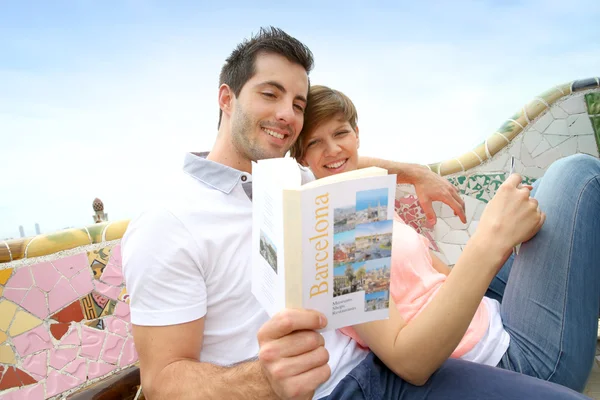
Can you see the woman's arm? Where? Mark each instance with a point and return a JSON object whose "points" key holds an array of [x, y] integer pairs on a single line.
{"points": [[439, 265]]}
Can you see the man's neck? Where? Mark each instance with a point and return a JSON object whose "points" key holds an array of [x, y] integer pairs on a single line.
{"points": [[224, 152]]}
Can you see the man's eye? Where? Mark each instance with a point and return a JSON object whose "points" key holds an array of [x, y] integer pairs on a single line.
{"points": [[267, 94], [299, 107]]}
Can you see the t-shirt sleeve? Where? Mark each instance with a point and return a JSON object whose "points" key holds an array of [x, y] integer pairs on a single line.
{"points": [[163, 273]]}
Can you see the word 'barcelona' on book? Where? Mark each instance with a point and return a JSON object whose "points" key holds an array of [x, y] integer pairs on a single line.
{"points": [[321, 246]]}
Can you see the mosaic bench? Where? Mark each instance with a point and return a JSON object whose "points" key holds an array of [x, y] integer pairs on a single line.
{"points": [[64, 310]]}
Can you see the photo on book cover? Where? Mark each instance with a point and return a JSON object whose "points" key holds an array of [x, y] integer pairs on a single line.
{"points": [[268, 250]]}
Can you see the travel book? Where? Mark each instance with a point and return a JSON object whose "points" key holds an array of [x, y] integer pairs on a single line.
{"points": [[324, 245]]}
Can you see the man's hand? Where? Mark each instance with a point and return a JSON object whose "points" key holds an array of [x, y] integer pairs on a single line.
{"points": [[293, 354], [431, 187]]}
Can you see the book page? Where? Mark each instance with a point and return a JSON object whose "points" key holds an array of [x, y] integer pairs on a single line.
{"points": [[347, 244]]}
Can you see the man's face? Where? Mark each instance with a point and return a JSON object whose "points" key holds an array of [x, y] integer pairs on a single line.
{"points": [[268, 114]]}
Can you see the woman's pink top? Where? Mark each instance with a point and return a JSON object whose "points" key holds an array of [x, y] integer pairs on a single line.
{"points": [[414, 282]]}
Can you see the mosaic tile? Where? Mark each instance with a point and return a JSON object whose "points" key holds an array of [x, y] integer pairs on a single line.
{"points": [[93, 304], [471, 206], [451, 251], [4, 275], [455, 223], [71, 313], [122, 311], [587, 144], [59, 330], [116, 326], [472, 227], [109, 309], [57, 383], [129, 355], [97, 369], [112, 349], [124, 296], [526, 158], [544, 160], [456, 237], [1, 290], [568, 147], [7, 355], [532, 139], [497, 164], [36, 365], [543, 122], [61, 295], [71, 338], [558, 113], [534, 172], [91, 342], [3, 337], [112, 275], [557, 127], [31, 392], [483, 187], [116, 257], [32, 341], [69, 266], [14, 377], [555, 140], [574, 105], [580, 125], [109, 291], [542, 147], [15, 295], [96, 324], [7, 312], [82, 283], [23, 322], [78, 369], [97, 260], [45, 276], [21, 279], [61, 357], [35, 302]]}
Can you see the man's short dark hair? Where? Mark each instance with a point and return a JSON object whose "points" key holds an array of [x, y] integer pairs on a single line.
{"points": [[240, 65]]}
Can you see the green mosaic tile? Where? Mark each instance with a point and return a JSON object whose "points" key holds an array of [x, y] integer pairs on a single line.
{"points": [[593, 103], [459, 182], [484, 187]]}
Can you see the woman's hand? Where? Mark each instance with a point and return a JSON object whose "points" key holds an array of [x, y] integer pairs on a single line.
{"points": [[511, 217]]}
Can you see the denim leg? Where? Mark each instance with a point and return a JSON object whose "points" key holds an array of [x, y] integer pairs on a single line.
{"points": [[551, 301], [455, 379]]}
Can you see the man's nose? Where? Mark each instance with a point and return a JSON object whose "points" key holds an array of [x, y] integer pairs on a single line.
{"points": [[285, 113]]}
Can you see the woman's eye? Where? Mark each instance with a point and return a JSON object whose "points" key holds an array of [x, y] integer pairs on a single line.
{"points": [[341, 133], [311, 143]]}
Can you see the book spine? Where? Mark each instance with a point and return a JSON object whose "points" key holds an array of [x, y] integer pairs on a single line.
{"points": [[292, 245]]}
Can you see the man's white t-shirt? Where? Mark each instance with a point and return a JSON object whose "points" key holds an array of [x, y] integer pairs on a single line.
{"points": [[190, 258]]}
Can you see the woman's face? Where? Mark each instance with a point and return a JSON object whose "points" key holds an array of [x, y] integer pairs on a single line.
{"points": [[331, 148]]}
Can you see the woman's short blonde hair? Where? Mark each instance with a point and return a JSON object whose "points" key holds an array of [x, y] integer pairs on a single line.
{"points": [[323, 104]]}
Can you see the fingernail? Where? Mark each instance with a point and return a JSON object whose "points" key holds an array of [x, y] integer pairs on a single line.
{"points": [[322, 321]]}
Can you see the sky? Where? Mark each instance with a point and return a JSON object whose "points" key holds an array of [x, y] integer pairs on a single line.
{"points": [[103, 98]]}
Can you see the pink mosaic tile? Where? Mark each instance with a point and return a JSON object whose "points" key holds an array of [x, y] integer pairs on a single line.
{"points": [[97, 369], [112, 275], [36, 365], [112, 349], [91, 342], [57, 383], [109, 291], [62, 295], [129, 355], [61, 357], [21, 279], [69, 266], [71, 338], [32, 341], [35, 302], [115, 325], [32, 392], [82, 283], [78, 369], [14, 295], [45, 276], [115, 256], [122, 311]]}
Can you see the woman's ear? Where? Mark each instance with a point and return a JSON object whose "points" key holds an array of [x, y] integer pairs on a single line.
{"points": [[357, 137], [226, 97]]}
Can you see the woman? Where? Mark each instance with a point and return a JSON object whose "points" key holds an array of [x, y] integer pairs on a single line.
{"points": [[536, 313]]}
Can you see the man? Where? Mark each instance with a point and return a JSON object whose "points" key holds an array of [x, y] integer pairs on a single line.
{"points": [[187, 268]]}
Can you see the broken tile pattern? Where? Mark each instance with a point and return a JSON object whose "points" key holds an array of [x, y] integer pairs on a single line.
{"points": [[63, 323]]}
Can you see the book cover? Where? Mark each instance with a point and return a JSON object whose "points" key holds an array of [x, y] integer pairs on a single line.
{"points": [[325, 245]]}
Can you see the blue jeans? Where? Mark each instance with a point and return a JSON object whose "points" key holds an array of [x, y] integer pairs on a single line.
{"points": [[550, 292], [455, 379]]}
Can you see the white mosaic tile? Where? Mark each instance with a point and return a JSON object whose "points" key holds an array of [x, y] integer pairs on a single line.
{"points": [[515, 146], [587, 144], [440, 229], [555, 140], [542, 147], [558, 113], [574, 105], [437, 207], [455, 223], [557, 127], [479, 211], [543, 122], [446, 211], [451, 251], [568, 147], [547, 158], [472, 227], [533, 172], [456, 237], [471, 205], [526, 158], [518, 166], [498, 163], [532, 139], [580, 125]]}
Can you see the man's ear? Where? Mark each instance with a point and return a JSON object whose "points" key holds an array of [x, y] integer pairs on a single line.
{"points": [[226, 97], [357, 137]]}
